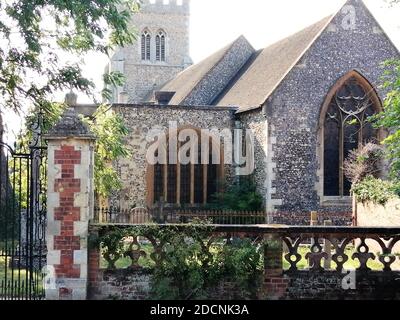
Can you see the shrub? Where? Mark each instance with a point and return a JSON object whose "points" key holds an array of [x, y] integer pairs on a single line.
{"points": [[376, 190], [363, 162], [188, 264], [242, 263], [241, 196], [192, 270]]}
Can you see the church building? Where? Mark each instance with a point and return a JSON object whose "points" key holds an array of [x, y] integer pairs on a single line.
{"points": [[297, 97]]}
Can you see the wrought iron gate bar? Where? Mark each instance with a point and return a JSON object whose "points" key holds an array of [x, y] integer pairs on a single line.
{"points": [[23, 219]]}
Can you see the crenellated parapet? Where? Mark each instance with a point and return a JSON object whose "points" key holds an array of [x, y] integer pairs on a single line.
{"points": [[166, 6]]}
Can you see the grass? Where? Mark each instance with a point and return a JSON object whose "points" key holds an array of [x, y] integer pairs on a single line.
{"points": [[15, 280], [349, 265], [11, 273], [126, 262]]}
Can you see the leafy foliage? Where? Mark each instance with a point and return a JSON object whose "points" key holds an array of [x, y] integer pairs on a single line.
{"points": [[113, 245], [188, 272], [241, 196], [242, 261], [110, 131], [363, 162], [390, 117], [184, 272], [41, 34], [376, 190], [41, 37], [189, 268]]}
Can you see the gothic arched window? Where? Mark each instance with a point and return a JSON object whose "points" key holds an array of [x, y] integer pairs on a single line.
{"points": [[160, 46], [146, 43], [185, 184], [348, 107]]}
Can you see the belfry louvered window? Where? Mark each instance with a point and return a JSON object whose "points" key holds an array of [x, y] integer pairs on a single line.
{"points": [[160, 46], [345, 128], [146, 46]]}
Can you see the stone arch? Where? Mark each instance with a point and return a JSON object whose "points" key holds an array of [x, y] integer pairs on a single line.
{"points": [[200, 184], [363, 106], [161, 45], [146, 44]]}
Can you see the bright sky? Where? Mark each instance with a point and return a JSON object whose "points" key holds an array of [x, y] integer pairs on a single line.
{"points": [[215, 23], [263, 22]]}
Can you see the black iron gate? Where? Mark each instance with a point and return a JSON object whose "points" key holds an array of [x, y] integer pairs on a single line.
{"points": [[23, 218]]}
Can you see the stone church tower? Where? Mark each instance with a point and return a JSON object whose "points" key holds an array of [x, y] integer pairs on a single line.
{"points": [[159, 54]]}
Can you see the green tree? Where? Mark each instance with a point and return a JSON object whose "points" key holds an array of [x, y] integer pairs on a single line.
{"points": [[110, 131], [390, 117], [37, 35], [38, 38]]}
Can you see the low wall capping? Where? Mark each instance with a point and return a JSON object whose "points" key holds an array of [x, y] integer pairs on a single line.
{"points": [[279, 282]]}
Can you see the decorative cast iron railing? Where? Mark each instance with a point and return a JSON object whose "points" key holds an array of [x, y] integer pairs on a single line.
{"points": [[337, 249], [115, 215], [301, 248], [176, 216]]}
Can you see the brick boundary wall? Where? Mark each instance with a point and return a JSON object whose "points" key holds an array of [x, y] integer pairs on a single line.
{"points": [[276, 287], [327, 285], [338, 218], [135, 284], [94, 271], [300, 285], [127, 284]]}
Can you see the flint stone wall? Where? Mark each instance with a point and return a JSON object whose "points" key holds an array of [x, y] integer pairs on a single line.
{"points": [[140, 119], [293, 110]]}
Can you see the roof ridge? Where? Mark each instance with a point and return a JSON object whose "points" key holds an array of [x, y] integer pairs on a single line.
{"points": [[203, 60], [304, 39], [329, 19], [240, 73], [226, 50], [379, 25]]}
